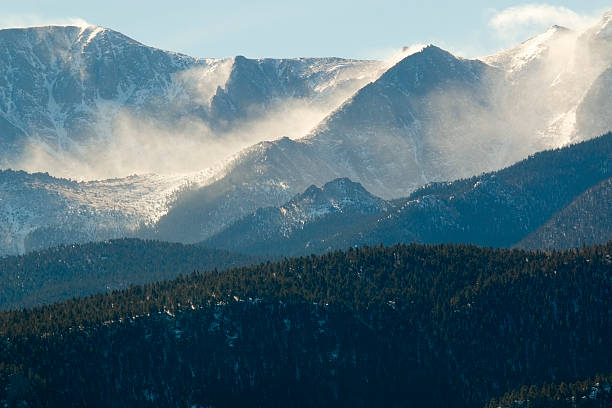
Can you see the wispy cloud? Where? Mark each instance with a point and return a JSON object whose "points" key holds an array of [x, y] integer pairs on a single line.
{"points": [[33, 20], [520, 22]]}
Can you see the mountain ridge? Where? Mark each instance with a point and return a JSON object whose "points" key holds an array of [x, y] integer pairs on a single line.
{"points": [[496, 209], [65, 272], [584, 221], [429, 117], [338, 205], [270, 173], [81, 89]]}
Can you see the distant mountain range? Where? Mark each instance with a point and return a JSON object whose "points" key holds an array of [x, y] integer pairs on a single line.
{"points": [[554, 199], [180, 231], [87, 102], [431, 117], [67, 90]]}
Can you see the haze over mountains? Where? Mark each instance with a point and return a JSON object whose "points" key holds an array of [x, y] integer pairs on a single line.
{"points": [[72, 95], [224, 232], [554, 199], [88, 102]]}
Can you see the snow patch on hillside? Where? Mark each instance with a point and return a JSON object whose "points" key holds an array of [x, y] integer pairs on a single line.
{"points": [[113, 208]]}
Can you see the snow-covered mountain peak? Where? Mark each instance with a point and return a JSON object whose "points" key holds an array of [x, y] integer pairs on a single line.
{"points": [[517, 59], [337, 196], [341, 188], [67, 36], [430, 53], [83, 93], [421, 69], [430, 64], [404, 52], [600, 34], [605, 24]]}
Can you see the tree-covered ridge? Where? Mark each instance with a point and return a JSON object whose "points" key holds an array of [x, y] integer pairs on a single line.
{"points": [[496, 209], [442, 325], [591, 393], [585, 221], [500, 208], [68, 271], [339, 206]]}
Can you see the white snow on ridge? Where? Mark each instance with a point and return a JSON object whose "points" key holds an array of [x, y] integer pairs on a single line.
{"points": [[604, 29], [118, 207], [540, 96], [515, 59], [143, 196], [93, 35], [202, 82]]}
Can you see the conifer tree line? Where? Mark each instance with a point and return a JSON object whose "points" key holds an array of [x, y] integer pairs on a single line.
{"points": [[405, 325], [78, 270], [594, 392]]}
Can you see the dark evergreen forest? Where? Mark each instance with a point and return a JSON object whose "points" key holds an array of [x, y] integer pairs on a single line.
{"points": [[406, 325], [68, 271]]}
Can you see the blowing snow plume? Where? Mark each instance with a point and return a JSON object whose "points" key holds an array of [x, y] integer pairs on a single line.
{"points": [[140, 144], [135, 109], [543, 98], [102, 105], [552, 77]]}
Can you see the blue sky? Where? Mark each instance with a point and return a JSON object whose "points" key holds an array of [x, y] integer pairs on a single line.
{"points": [[286, 28]]}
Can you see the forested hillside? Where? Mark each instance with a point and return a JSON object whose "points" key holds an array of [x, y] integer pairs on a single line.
{"points": [[64, 272], [587, 220], [427, 326], [591, 393], [496, 209], [337, 208]]}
